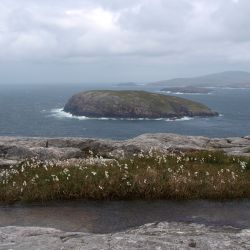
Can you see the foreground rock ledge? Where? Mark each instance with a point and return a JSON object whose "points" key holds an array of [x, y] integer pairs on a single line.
{"points": [[15, 149], [158, 236]]}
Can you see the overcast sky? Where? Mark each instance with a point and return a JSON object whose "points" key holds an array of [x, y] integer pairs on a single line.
{"points": [[58, 41]]}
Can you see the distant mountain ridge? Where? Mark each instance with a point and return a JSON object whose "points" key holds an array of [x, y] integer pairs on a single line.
{"points": [[223, 79]]}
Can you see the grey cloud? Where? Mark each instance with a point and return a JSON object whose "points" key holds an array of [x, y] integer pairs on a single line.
{"points": [[160, 33]]}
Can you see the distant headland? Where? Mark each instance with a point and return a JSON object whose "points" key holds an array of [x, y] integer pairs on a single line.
{"points": [[232, 79]]}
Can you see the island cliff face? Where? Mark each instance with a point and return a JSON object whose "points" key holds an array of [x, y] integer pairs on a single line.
{"points": [[133, 104]]}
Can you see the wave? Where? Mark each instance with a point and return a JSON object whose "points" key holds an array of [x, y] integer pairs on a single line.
{"points": [[59, 113], [183, 93]]}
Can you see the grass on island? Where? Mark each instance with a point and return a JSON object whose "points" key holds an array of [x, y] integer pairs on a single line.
{"points": [[197, 175]]}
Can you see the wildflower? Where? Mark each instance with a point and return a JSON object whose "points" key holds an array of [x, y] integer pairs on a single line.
{"points": [[100, 187], [54, 177], [128, 183], [150, 152], [106, 174], [178, 159], [243, 165], [93, 173], [233, 175], [65, 171]]}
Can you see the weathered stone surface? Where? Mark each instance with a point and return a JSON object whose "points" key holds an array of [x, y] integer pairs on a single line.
{"points": [[7, 163], [19, 148], [158, 236]]}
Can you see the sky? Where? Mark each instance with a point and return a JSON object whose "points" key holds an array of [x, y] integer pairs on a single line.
{"points": [[101, 41]]}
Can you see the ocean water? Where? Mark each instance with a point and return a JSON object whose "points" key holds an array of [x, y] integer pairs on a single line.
{"points": [[37, 111]]}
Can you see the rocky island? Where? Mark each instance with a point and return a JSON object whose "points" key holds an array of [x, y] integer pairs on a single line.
{"points": [[133, 104]]}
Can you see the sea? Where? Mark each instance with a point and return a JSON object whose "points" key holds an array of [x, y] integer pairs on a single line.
{"points": [[37, 110]]}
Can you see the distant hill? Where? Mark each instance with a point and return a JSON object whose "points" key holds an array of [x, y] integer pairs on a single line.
{"points": [[127, 84], [234, 79]]}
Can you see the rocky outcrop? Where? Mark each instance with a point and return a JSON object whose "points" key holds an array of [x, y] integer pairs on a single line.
{"points": [[133, 104], [15, 149], [162, 235]]}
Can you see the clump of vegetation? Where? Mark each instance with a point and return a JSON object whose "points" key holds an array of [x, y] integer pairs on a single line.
{"points": [[195, 175]]}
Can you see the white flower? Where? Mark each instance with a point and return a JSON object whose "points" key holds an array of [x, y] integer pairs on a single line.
{"points": [[54, 177], [65, 171], [243, 165], [93, 173], [106, 174]]}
